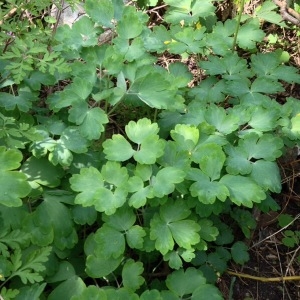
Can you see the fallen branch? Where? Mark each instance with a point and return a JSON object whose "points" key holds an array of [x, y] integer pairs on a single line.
{"points": [[287, 13], [265, 279]]}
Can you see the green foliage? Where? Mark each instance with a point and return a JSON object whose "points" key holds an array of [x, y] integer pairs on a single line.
{"points": [[116, 168]]}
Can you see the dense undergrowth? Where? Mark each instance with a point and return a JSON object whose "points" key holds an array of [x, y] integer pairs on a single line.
{"points": [[123, 177]]}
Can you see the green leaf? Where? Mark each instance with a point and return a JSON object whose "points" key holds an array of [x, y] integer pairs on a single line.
{"points": [[186, 136], [208, 232], [60, 155], [239, 252], [113, 173], [170, 225], [231, 67], [82, 87], [14, 185], [243, 190], [42, 172], [184, 5], [183, 283], [267, 175], [224, 123], [91, 292], [181, 74], [173, 259], [206, 190], [130, 25], [164, 181], [90, 184], [92, 125], [237, 161], [284, 220], [139, 131], [151, 295], [154, 90], [264, 119], [84, 215], [244, 219], [162, 235], [73, 140], [114, 246], [267, 146], [131, 275], [29, 270], [65, 271], [97, 267], [74, 286], [267, 12], [100, 11], [117, 148], [23, 101], [46, 229], [249, 34], [150, 150], [211, 159], [185, 233], [207, 291], [139, 198], [122, 220], [134, 237]]}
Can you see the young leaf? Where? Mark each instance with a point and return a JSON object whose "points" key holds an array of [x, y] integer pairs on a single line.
{"points": [[113, 173], [208, 232], [139, 131], [183, 283], [186, 136], [90, 184], [117, 148], [211, 159], [173, 259], [150, 150], [164, 181], [92, 125], [131, 275], [239, 252]]}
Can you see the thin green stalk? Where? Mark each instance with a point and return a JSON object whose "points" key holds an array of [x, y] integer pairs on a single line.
{"points": [[233, 279], [238, 24]]}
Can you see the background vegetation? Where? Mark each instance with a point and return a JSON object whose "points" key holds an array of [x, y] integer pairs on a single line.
{"points": [[141, 145]]}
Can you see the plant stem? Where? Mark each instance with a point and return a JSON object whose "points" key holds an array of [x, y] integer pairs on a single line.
{"points": [[238, 24]]}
